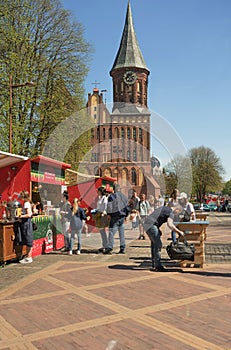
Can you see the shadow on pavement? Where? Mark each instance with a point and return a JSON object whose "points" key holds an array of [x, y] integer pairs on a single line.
{"points": [[210, 274]]}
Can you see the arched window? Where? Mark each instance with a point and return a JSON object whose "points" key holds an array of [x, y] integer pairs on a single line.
{"points": [[128, 155], [134, 133], [134, 155], [109, 133], [104, 134], [133, 176], [128, 133], [122, 133], [140, 134], [98, 135]]}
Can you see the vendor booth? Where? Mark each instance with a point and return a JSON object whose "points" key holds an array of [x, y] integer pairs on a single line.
{"points": [[44, 178]]}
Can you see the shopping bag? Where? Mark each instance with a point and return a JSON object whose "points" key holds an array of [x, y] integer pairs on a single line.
{"points": [[181, 250]]}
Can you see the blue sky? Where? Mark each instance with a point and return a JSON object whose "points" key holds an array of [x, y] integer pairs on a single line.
{"points": [[187, 47]]}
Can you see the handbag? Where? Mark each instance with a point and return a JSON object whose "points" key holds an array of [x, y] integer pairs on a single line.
{"points": [[101, 221], [181, 250], [35, 226]]}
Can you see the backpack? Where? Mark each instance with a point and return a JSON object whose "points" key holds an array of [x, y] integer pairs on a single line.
{"points": [[117, 205]]}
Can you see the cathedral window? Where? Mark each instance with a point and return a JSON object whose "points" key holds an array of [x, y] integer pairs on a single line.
{"points": [[134, 155], [122, 133], [94, 157], [98, 133], [133, 176], [140, 134], [109, 133], [128, 133], [117, 135], [134, 133]]}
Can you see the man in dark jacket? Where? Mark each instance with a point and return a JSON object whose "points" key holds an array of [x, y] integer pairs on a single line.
{"points": [[152, 226], [117, 209]]}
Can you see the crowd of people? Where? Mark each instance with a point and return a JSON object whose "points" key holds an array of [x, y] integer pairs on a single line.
{"points": [[112, 210]]}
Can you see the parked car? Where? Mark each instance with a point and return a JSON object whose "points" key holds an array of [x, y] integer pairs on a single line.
{"points": [[213, 207], [202, 207]]}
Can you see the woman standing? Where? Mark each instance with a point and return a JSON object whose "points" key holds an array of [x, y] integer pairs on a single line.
{"points": [[65, 221], [144, 209], [26, 228], [101, 217], [77, 215]]}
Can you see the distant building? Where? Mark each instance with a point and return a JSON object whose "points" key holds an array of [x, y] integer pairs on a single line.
{"points": [[121, 139]]}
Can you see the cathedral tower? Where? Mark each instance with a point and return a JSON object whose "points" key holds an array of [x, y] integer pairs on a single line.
{"points": [[121, 144]]}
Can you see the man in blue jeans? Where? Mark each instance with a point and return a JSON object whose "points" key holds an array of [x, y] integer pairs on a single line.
{"points": [[117, 209], [152, 226]]}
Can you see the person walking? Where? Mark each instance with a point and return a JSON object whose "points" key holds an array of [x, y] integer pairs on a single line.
{"points": [[152, 224], [101, 218], [76, 216], [26, 227], [117, 209], [144, 208], [65, 221], [133, 204]]}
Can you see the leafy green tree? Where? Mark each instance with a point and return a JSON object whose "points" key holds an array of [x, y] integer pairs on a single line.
{"points": [[227, 188], [178, 174], [207, 171], [39, 42]]}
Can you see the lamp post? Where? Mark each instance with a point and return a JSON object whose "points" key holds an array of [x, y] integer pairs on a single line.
{"points": [[14, 86]]}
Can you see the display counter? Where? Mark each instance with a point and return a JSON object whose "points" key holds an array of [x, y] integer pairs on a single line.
{"points": [[9, 249], [195, 232], [47, 237]]}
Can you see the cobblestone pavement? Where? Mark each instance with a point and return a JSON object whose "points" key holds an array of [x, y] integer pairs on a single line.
{"points": [[95, 301]]}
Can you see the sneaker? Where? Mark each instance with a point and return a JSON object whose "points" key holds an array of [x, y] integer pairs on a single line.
{"points": [[26, 261], [101, 250], [70, 252], [159, 269], [121, 251], [108, 251], [78, 252]]}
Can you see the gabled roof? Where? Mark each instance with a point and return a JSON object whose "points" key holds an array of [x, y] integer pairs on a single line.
{"points": [[129, 54]]}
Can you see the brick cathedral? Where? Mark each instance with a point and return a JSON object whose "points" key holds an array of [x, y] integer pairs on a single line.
{"points": [[121, 139]]}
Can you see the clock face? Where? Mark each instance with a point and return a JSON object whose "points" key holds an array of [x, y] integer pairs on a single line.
{"points": [[130, 77]]}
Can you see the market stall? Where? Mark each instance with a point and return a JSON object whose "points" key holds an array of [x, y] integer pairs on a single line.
{"points": [[44, 178]]}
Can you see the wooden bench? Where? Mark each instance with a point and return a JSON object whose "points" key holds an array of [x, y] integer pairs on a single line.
{"points": [[195, 232], [201, 216]]}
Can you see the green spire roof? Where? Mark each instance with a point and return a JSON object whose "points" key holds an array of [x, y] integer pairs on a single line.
{"points": [[129, 54]]}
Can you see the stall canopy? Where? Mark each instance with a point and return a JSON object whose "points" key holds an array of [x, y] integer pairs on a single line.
{"points": [[50, 161], [9, 159]]}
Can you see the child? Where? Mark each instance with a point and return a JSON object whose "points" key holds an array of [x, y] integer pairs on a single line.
{"points": [[134, 218], [85, 227]]}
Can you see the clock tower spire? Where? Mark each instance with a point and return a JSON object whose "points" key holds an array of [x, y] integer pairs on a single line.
{"points": [[129, 71]]}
